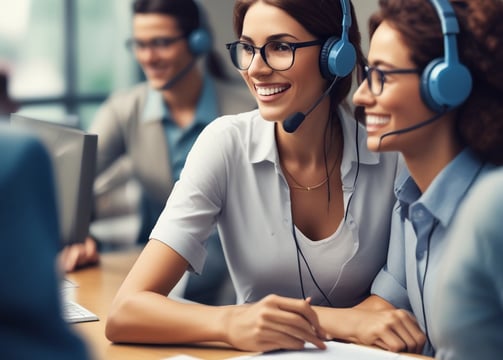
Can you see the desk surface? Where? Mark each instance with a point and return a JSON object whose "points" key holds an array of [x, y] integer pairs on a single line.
{"points": [[97, 287]]}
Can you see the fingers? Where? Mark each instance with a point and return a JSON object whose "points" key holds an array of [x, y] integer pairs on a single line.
{"points": [[294, 319], [79, 255], [91, 252], [401, 333]]}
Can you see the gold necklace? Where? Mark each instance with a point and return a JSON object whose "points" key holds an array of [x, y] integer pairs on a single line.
{"points": [[298, 186]]}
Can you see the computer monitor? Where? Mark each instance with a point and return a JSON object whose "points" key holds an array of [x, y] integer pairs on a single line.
{"points": [[73, 153]]}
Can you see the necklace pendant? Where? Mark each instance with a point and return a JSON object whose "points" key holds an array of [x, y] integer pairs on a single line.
{"points": [[308, 188]]}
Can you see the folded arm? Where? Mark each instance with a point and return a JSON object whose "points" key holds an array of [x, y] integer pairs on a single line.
{"points": [[142, 313], [374, 322]]}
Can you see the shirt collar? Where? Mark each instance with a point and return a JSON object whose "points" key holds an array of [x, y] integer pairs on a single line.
{"points": [[206, 110], [447, 190], [264, 143]]}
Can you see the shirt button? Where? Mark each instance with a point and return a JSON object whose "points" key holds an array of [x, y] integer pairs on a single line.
{"points": [[419, 214]]}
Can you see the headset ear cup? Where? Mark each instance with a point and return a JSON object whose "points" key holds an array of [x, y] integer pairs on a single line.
{"points": [[445, 86], [324, 54], [200, 42], [337, 58], [426, 85]]}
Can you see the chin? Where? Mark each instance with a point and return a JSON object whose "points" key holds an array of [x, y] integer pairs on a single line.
{"points": [[270, 115], [374, 144], [157, 84]]}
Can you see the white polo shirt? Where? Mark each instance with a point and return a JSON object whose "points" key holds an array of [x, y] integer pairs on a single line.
{"points": [[232, 179]]}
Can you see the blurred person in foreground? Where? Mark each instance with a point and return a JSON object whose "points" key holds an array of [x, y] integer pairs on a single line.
{"points": [[31, 321]]}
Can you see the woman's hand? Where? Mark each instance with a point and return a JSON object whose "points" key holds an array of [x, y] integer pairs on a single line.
{"points": [[275, 323], [391, 329]]}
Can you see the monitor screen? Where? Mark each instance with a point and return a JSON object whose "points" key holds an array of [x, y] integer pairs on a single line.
{"points": [[73, 153]]}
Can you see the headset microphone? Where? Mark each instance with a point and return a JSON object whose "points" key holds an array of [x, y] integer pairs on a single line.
{"points": [[292, 122], [169, 84], [414, 127]]}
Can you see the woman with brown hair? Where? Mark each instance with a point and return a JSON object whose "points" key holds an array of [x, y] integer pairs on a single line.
{"points": [[301, 206]]}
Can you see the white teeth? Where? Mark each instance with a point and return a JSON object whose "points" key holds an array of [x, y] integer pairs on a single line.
{"points": [[376, 120], [270, 91]]}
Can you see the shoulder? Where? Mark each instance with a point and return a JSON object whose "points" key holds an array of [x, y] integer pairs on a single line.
{"points": [[121, 106], [229, 128], [125, 96], [238, 124], [236, 134], [484, 203]]}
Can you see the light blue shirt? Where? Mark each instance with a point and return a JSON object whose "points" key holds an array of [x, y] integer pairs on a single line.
{"points": [[419, 226], [180, 140], [233, 180], [468, 312]]}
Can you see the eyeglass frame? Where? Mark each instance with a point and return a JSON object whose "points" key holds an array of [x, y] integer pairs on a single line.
{"points": [[157, 43], [292, 45], [366, 70]]}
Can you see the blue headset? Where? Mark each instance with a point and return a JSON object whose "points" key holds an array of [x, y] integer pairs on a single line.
{"points": [[338, 55], [200, 40], [445, 82]]}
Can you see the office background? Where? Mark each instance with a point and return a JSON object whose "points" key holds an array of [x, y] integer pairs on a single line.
{"points": [[65, 57]]}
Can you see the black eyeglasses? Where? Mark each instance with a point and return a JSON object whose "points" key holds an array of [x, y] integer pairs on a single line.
{"points": [[158, 43], [376, 77], [278, 55]]}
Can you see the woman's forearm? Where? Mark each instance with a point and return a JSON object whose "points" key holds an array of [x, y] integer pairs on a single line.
{"points": [[152, 318]]}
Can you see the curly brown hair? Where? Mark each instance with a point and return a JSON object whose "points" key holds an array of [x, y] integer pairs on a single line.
{"points": [[479, 120]]}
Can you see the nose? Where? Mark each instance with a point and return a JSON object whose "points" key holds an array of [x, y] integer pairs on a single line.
{"points": [[146, 54], [362, 95], [258, 65]]}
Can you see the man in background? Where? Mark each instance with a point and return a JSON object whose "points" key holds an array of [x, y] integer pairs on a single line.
{"points": [[148, 130]]}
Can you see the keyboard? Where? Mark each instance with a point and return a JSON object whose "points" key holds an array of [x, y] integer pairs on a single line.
{"points": [[75, 313]]}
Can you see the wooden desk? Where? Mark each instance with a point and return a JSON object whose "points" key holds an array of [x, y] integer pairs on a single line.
{"points": [[97, 287]]}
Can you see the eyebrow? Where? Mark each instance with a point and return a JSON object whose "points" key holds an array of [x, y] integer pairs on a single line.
{"points": [[275, 37], [381, 63]]}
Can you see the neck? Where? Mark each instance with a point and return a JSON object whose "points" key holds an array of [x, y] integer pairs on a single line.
{"points": [[183, 97], [310, 167], [425, 167], [308, 144], [185, 89]]}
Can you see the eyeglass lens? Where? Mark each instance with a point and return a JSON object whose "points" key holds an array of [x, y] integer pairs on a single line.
{"points": [[375, 80], [278, 55]]}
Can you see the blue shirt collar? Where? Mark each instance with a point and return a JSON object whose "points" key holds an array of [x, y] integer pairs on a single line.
{"points": [[447, 190], [206, 110]]}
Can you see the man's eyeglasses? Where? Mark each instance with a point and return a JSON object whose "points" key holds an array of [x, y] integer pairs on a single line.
{"points": [[376, 77], [159, 43], [278, 55]]}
